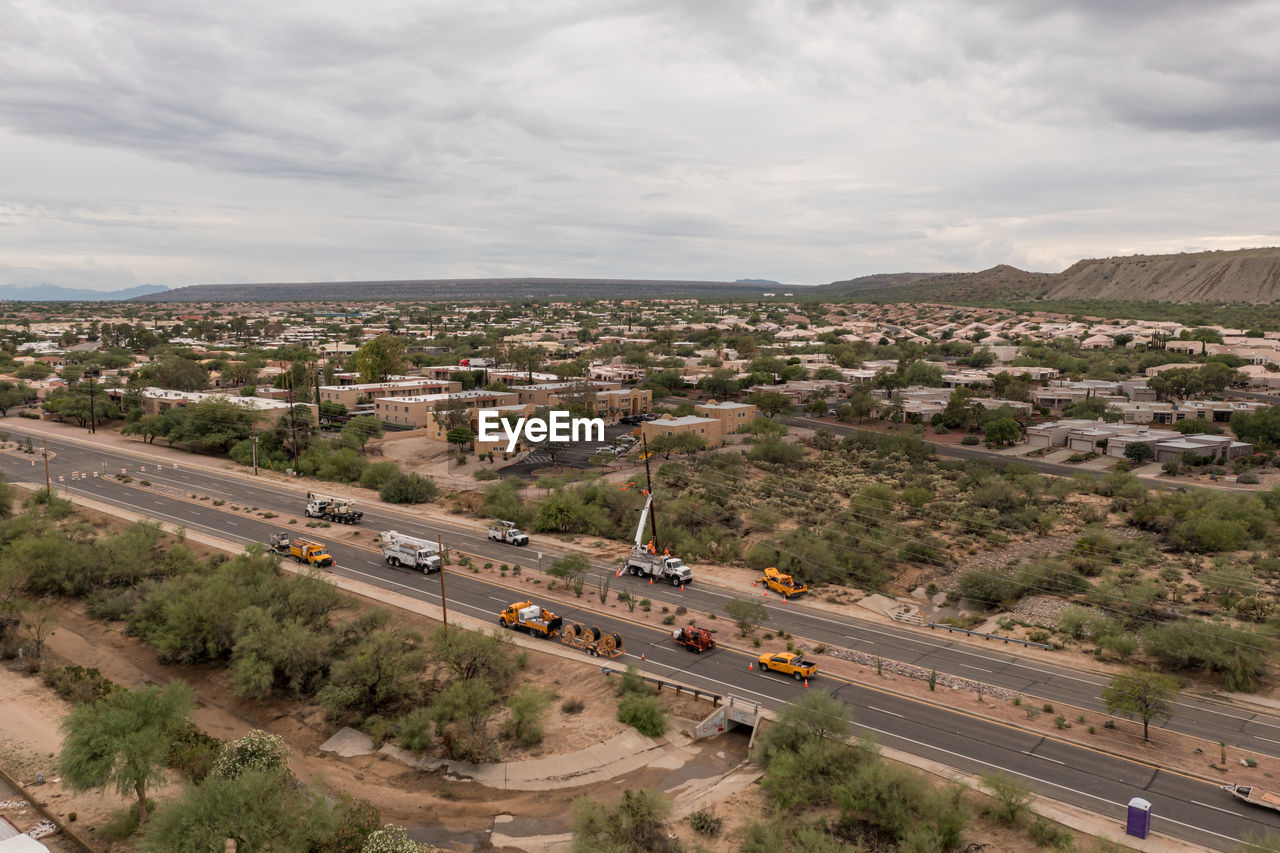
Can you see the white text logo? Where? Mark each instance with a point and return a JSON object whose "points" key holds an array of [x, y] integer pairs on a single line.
{"points": [[557, 426]]}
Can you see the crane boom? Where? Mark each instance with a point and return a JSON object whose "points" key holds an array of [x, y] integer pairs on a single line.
{"points": [[644, 513]]}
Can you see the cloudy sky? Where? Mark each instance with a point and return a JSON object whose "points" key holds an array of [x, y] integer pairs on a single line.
{"points": [[148, 141]]}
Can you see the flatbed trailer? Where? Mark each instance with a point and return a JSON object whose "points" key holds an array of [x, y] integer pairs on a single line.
{"points": [[591, 640], [1254, 796]]}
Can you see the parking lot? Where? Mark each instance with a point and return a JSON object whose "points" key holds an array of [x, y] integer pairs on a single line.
{"points": [[575, 455]]}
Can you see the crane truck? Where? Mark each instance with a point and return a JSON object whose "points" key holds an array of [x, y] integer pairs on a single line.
{"points": [[330, 508], [646, 562], [410, 552]]}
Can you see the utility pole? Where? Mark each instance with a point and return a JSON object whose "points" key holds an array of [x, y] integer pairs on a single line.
{"points": [[444, 606], [648, 479], [48, 483], [293, 429], [93, 417], [255, 453]]}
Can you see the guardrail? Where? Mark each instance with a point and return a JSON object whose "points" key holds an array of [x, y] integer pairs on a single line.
{"points": [[679, 688], [1044, 646]]}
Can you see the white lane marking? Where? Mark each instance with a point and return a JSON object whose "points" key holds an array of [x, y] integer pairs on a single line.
{"points": [[883, 711], [1217, 809], [891, 634], [1267, 739], [971, 666], [232, 523], [1047, 782], [740, 690], [1045, 757]]}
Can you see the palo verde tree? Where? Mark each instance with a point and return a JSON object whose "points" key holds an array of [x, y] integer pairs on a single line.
{"points": [[121, 741], [1148, 696]]}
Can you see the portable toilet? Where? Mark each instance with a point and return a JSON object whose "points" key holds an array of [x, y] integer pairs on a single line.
{"points": [[1139, 822]]}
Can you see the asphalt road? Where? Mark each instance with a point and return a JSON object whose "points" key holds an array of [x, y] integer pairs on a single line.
{"points": [[1184, 806]]}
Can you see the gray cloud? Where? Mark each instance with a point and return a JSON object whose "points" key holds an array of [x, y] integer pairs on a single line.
{"points": [[148, 141]]}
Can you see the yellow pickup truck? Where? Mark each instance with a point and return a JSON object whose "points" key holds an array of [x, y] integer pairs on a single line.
{"points": [[784, 585], [789, 663]]}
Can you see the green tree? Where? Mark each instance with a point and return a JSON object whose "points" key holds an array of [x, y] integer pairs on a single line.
{"points": [[378, 673], [1002, 431], [178, 374], [122, 740], [1138, 452], [1147, 696], [256, 809], [770, 403], [747, 613], [473, 655], [573, 570], [360, 430], [1012, 797], [408, 489], [380, 358]]}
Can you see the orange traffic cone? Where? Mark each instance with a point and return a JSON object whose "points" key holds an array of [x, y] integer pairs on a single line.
{"points": [[806, 682], [642, 656], [766, 593], [750, 666], [650, 581], [682, 587], [753, 583]]}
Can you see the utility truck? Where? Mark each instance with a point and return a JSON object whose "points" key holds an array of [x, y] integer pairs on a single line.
{"points": [[646, 562], [784, 585], [410, 552], [311, 552], [506, 531], [531, 618], [330, 508]]}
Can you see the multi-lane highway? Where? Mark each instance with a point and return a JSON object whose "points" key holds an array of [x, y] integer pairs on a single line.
{"points": [[1188, 807]]}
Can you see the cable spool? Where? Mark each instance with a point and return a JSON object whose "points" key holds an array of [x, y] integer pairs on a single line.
{"points": [[617, 640], [607, 644], [573, 631], [594, 634]]}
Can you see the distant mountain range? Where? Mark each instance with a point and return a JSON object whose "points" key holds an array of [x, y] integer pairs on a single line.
{"points": [[1242, 275], [54, 293], [456, 289]]}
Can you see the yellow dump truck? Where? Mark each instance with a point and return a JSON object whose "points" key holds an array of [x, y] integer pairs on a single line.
{"points": [[784, 585], [311, 552]]}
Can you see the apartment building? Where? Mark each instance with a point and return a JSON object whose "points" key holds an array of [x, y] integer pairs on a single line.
{"points": [[709, 429], [417, 412], [350, 395], [732, 416], [267, 412]]}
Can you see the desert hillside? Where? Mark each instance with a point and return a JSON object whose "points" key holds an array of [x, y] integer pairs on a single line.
{"points": [[1246, 275], [1243, 275]]}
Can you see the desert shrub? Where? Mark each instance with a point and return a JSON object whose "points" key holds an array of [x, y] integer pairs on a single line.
{"points": [[643, 712], [1010, 797], [78, 683], [378, 474], [1236, 655], [416, 729], [408, 489], [970, 440], [524, 725]]}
